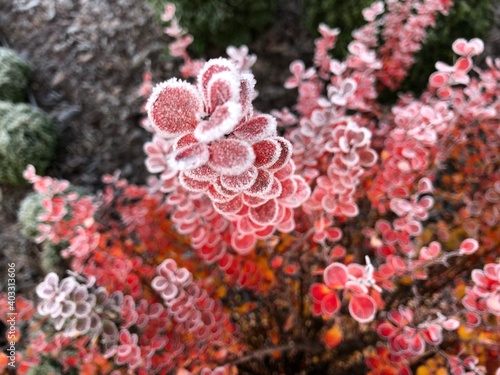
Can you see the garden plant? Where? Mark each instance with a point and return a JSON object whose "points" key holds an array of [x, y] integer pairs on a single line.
{"points": [[338, 236]]}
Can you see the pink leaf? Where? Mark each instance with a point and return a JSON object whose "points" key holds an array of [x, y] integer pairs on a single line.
{"points": [[192, 184], [439, 79], [424, 186], [335, 275], [433, 334], [211, 68], [266, 152], [247, 92], [262, 184], [222, 121], [468, 246], [264, 214], [230, 156], [451, 324], [285, 155], [173, 108], [493, 303], [231, 207], [243, 243], [362, 308], [417, 345], [189, 157], [330, 304], [223, 87], [386, 330], [256, 129], [240, 182]]}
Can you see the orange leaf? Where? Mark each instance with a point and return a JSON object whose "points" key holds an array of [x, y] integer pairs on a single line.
{"points": [[333, 337]]}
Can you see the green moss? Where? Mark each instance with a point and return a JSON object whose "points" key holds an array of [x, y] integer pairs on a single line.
{"points": [[29, 210], [27, 136], [51, 260], [220, 23], [14, 76]]}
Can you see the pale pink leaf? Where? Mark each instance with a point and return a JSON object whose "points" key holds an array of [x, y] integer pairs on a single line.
{"points": [[221, 122], [335, 275]]}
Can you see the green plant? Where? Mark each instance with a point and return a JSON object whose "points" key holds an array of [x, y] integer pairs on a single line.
{"points": [[27, 136], [14, 76], [29, 210], [219, 23]]}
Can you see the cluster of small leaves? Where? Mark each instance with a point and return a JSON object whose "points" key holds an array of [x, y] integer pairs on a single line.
{"points": [[404, 204], [464, 19], [135, 328]]}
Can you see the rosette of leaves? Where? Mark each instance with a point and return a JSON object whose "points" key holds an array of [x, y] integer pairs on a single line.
{"points": [[27, 136], [220, 23], [14, 76], [466, 19]]}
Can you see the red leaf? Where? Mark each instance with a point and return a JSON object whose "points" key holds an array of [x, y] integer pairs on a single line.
{"points": [[223, 87], [319, 291], [386, 330], [266, 152], [243, 243], [330, 304], [264, 214], [256, 129], [191, 184], [285, 154], [189, 157], [240, 182], [230, 157], [211, 68], [231, 207], [362, 308], [173, 108], [335, 275], [262, 184], [247, 92]]}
